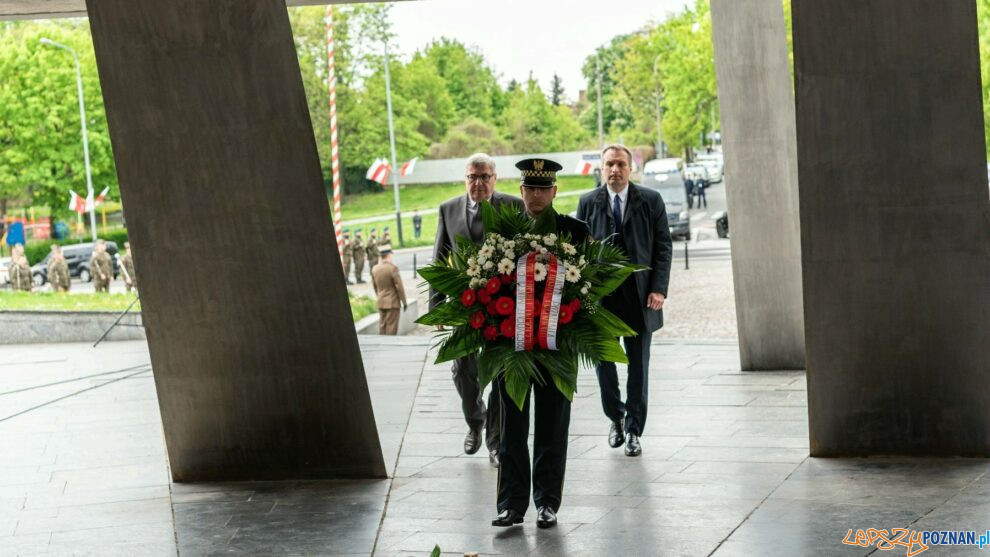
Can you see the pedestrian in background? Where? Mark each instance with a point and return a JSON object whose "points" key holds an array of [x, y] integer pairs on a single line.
{"points": [[357, 252], [101, 267], [345, 255], [127, 266], [58, 270], [390, 293], [689, 190], [20, 273], [700, 185], [372, 250], [417, 224]]}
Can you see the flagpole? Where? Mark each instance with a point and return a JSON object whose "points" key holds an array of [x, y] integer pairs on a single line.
{"points": [[335, 156], [391, 140]]}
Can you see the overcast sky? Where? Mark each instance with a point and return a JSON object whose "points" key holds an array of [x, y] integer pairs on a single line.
{"points": [[519, 36]]}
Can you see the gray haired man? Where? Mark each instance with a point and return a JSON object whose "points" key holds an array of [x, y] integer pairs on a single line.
{"points": [[461, 216]]}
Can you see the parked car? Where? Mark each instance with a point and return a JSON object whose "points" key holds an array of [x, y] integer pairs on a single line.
{"points": [[675, 199], [697, 170], [77, 256], [663, 169], [4, 272], [722, 224]]}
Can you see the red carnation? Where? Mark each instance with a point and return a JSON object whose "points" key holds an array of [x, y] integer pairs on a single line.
{"points": [[505, 305], [484, 297], [566, 314], [493, 285], [508, 328], [575, 305], [468, 298], [477, 319], [506, 278], [490, 332], [491, 309]]}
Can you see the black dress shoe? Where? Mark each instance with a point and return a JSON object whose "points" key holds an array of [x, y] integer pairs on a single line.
{"points": [[507, 517], [493, 458], [546, 518], [472, 441], [615, 435], [633, 448]]}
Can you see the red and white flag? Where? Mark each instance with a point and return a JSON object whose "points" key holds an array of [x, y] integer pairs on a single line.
{"points": [[90, 204], [407, 169], [378, 172], [76, 203], [584, 167]]}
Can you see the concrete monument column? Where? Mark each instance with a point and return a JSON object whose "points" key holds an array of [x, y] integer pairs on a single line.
{"points": [[758, 140], [255, 356], [895, 226]]}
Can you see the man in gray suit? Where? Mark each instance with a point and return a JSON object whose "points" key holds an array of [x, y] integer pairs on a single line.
{"points": [[461, 216], [635, 219]]}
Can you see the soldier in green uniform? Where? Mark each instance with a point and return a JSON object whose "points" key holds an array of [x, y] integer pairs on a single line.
{"points": [[58, 270], [372, 250], [20, 274], [386, 237], [101, 267], [127, 266], [359, 255], [345, 254]]}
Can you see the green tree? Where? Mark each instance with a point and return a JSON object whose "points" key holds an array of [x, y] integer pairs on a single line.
{"points": [[470, 136], [41, 151], [471, 84], [532, 124], [556, 90]]}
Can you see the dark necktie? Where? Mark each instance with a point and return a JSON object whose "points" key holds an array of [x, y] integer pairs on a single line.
{"points": [[617, 215], [476, 224]]}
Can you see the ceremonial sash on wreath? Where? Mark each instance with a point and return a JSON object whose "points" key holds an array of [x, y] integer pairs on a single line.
{"points": [[526, 305]]}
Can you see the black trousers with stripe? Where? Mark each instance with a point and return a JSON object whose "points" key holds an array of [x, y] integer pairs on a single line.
{"points": [[552, 420]]}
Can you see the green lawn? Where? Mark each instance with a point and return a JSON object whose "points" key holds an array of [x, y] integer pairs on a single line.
{"points": [[51, 301], [430, 196]]}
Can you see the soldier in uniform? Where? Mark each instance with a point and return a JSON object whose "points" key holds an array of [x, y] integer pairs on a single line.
{"points": [[386, 236], [345, 254], [58, 270], [20, 273], [388, 288], [372, 250], [127, 265], [101, 267], [552, 409], [357, 249]]}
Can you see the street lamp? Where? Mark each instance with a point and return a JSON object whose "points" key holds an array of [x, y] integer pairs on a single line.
{"points": [[656, 77], [391, 140], [85, 137]]}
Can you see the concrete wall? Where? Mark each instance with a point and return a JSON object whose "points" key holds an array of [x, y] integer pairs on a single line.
{"points": [[895, 226], [256, 360], [759, 146], [33, 327]]}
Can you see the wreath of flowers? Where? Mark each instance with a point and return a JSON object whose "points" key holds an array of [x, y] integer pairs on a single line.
{"points": [[562, 284]]}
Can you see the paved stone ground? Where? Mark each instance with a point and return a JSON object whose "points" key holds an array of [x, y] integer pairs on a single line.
{"points": [[724, 471]]}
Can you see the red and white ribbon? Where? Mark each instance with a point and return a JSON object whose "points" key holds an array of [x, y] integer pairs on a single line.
{"points": [[526, 305]]}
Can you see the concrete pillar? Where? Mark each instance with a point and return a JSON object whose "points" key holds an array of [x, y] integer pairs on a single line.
{"points": [[895, 226], [757, 107], [255, 357]]}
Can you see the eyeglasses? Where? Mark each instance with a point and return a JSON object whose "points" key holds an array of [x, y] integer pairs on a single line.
{"points": [[479, 177]]}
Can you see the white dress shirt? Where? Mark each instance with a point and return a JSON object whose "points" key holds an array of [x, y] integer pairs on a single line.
{"points": [[623, 195]]}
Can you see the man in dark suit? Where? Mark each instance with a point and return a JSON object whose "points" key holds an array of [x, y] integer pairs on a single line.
{"points": [[552, 409], [461, 216], [635, 219]]}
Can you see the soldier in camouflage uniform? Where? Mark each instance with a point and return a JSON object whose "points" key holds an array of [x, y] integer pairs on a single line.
{"points": [[20, 274], [58, 271], [359, 255], [127, 265], [101, 267], [372, 250], [345, 254]]}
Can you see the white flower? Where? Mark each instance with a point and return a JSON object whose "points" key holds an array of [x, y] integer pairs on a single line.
{"points": [[506, 266], [584, 290], [472, 262], [486, 250], [539, 272], [587, 285], [573, 274], [534, 244], [550, 239], [477, 282], [488, 265], [473, 271], [482, 259], [511, 255], [543, 251], [581, 262], [568, 249]]}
